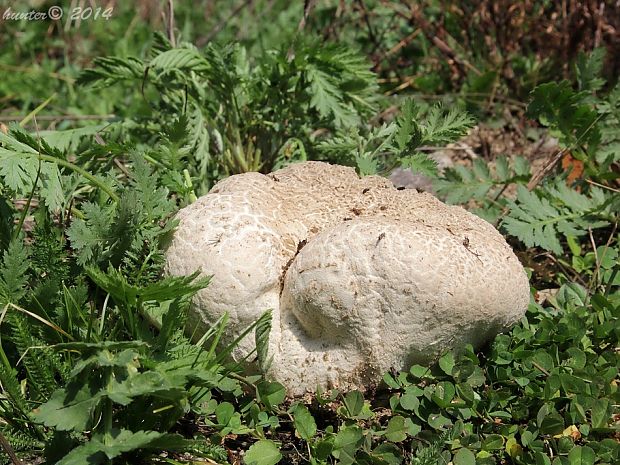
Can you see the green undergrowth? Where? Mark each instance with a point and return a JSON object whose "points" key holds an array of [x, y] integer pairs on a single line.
{"points": [[95, 365]]}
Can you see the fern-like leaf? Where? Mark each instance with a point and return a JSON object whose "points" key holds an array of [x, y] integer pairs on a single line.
{"points": [[567, 112], [12, 398], [36, 360], [609, 110], [20, 167], [588, 68], [13, 273], [538, 218], [69, 139], [198, 140], [180, 59], [366, 163], [326, 97], [441, 126], [420, 163], [108, 71], [261, 337], [532, 220], [90, 236], [460, 184]]}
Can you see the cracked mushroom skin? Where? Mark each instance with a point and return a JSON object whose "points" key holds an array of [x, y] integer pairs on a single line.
{"points": [[361, 277]]}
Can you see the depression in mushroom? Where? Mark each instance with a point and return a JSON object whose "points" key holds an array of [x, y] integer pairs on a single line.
{"points": [[361, 277]]}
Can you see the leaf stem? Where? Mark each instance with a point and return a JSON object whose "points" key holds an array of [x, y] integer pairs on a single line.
{"points": [[22, 218], [77, 169]]}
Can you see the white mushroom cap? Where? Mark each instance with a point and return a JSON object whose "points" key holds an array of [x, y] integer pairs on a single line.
{"points": [[361, 277]]}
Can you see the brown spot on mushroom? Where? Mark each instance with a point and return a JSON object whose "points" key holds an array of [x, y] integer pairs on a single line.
{"points": [[381, 236]]}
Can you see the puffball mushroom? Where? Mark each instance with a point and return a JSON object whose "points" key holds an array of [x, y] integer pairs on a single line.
{"points": [[361, 277]]}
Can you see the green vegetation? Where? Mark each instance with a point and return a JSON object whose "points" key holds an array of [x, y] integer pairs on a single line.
{"points": [[114, 124]]}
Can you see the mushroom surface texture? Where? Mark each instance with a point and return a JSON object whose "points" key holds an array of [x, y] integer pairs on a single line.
{"points": [[361, 277]]}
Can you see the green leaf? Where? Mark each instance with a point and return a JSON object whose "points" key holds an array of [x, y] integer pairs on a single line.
{"points": [[110, 70], [70, 409], [542, 459], [573, 245], [18, 170], [304, 422], [460, 184], [224, 412], [558, 106], [120, 441], [68, 139], [544, 360], [419, 371], [409, 400], [581, 456], [441, 126], [588, 70], [408, 135], [326, 96], [552, 424], [571, 384], [13, 269], [85, 454], [542, 413], [263, 452], [413, 429], [420, 163], [464, 457], [500, 414], [116, 284], [174, 287], [366, 164], [444, 393], [446, 363], [438, 421], [396, 430], [466, 392], [532, 220], [149, 383], [21, 165], [354, 402], [577, 358], [522, 381], [493, 442], [180, 59], [521, 166], [271, 393], [323, 449], [388, 454], [346, 444], [600, 413], [502, 168], [513, 449], [92, 348], [389, 380], [261, 338]]}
